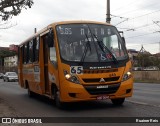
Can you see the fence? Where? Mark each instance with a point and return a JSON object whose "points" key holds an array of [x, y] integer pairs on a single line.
{"points": [[150, 76]]}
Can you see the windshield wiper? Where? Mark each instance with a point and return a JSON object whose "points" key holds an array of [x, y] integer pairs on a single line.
{"points": [[86, 49], [102, 47]]}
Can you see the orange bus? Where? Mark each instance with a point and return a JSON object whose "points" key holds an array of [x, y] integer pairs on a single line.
{"points": [[75, 61]]}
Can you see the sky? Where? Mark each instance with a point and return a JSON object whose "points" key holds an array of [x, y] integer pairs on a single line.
{"points": [[139, 19]]}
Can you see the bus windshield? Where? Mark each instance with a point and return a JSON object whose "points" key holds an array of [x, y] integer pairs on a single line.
{"points": [[90, 43]]}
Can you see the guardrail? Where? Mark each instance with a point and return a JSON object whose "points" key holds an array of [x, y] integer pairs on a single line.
{"points": [[147, 76]]}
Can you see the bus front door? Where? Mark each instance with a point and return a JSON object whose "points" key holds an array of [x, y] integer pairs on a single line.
{"points": [[45, 57]]}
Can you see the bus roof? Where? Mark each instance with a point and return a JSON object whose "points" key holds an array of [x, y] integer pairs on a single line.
{"points": [[60, 23]]}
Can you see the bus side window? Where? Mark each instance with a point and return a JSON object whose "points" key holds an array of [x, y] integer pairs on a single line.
{"points": [[26, 53], [36, 42], [25, 56], [52, 52], [50, 38], [31, 51]]}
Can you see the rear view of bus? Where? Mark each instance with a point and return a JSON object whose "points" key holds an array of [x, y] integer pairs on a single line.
{"points": [[79, 61], [94, 63]]}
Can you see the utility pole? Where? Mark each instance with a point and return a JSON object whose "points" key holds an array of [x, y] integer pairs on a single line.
{"points": [[159, 47], [108, 18], [35, 30]]}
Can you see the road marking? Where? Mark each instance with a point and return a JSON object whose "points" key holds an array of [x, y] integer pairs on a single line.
{"points": [[142, 103]]}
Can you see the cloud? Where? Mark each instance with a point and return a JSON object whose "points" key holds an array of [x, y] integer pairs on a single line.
{"points": [[44, 12]]}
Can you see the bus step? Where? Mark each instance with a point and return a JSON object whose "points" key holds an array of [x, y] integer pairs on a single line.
{"points": [[49, 96]]}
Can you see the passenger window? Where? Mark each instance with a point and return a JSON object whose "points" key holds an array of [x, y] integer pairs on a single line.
{"points": [[26, 53], [36, 42], [31, 51], [53, 54]]}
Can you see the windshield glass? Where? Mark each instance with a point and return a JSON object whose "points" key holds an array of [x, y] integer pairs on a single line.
{"points": [[90, 43]]}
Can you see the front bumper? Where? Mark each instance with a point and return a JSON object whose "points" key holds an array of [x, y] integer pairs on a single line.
{"points": [[76, 92]]}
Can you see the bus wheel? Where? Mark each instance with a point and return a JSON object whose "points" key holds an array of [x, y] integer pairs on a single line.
{"points": [[118, 101], [58, 103], [30, 93]]}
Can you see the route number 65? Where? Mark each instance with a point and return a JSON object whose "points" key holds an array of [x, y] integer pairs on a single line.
{"points": [[76, 69]]}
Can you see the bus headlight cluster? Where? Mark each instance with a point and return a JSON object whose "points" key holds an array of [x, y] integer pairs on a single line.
{"points": [[71, 78], [127, 75]]}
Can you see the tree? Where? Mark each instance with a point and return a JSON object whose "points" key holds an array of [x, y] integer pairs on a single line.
{"points": [[7, 53], [10, 8], [146, 60]]}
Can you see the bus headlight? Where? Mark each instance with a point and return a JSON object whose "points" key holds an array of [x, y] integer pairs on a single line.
{"points": [[67, 76], [127, 75], [71, 78]]}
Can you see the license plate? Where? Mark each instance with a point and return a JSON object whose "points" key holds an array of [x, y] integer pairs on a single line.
{"points": [[103, 97]]}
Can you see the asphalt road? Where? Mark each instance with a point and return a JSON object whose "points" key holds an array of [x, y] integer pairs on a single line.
{"points": [[144, 103], [147, 94]]}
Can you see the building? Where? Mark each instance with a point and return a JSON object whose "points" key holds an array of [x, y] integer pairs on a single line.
{"points": [[157, 55], [133, 52], [8, 58], [4, 48], [11, 61], [13, 48]]}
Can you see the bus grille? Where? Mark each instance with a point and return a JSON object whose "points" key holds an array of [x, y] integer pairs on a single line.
{"points": [[94, 90], [92, 80], [99, 71]]}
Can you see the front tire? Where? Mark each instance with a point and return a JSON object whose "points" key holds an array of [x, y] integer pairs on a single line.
{"points": [[59, 104], [118, 101]]}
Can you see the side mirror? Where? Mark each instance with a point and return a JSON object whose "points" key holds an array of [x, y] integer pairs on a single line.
{"points": [[50, 38]]}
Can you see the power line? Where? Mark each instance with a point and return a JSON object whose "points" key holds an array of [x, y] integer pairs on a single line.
{"points": [[156, 22], [126, 6], [140, 35], [145, 14], [139, 16], [121, 22], [114, 16], [138, 9], [143, 44], [139, 27]]}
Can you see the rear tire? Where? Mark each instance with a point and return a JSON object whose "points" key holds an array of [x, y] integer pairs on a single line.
{"points": [[30, 93], [118, 101]]}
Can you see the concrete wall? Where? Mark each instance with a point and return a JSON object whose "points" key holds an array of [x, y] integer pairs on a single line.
{"points": [[147, 75]]}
